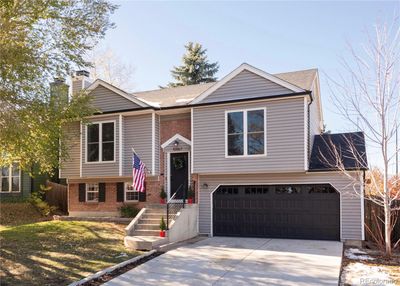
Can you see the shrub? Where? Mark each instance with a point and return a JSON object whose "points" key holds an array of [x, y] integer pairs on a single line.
{"points": [[37, 200], [128, 211], [163, 194], [163, 226], [191, 192]]}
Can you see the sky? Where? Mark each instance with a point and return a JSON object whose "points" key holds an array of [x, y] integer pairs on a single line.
{"points": [[273, 36]]}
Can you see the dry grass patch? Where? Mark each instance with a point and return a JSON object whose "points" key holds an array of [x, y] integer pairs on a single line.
{"points": [[59, 252]]}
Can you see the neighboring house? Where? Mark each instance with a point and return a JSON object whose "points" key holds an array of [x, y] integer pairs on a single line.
{"points": [[246, 143], [15, 183]]}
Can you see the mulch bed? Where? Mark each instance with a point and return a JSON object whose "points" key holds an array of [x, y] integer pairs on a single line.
{"points": [[117, 272]]}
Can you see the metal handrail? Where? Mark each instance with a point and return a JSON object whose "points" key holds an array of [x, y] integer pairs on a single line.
{"points": [[176, 204]]}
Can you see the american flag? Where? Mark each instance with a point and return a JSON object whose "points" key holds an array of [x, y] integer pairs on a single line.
{"points": [[139, 174]]}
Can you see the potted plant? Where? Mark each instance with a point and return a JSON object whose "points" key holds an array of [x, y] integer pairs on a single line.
{"points": [[163, 195], [190, 195], [163, 227]]}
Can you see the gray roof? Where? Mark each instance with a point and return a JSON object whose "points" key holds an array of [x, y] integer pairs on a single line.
{"points": [[331, 152], [302, 79], [183, 95], [175, 96]]}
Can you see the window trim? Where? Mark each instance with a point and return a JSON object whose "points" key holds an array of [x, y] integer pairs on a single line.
{"points": [[125, 191], [101, 142], [86, 192], [245, 133], [10, 176]]}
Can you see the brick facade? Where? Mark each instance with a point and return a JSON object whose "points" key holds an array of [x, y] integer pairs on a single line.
{"points": [[110, 205]]}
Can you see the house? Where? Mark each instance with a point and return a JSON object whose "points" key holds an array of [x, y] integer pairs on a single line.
{"points": [[18, 184], [247, 144]]}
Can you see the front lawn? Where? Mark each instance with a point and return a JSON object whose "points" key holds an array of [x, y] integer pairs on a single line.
{"points": [[59, 252]]}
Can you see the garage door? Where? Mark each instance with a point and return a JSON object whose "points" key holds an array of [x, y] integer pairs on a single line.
{"points": [[280, 211]]}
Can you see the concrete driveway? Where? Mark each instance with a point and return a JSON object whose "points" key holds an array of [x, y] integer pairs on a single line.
{"points": [[241, 261]]}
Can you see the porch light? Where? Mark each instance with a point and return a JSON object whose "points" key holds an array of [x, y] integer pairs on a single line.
{"points": [[176, 143]]}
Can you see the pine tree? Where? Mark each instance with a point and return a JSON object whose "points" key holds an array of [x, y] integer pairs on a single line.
{"points": [[195, 67]]}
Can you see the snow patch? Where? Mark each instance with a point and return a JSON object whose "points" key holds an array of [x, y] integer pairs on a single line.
{"points": [[184, 100], [357, 273], [152, 103], [354, 253]]}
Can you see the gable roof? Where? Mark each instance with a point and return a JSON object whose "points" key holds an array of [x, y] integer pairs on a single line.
{"points": [[238, 70], [175, 96], [130, 97], [184, 95], [303, 79], [346, 148]]}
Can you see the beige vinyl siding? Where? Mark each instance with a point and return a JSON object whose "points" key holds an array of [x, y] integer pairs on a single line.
{"points": [[351, 222], [157, 145], [246, 85], [107, 100], [137, 134], [315, 117], [101, 169], [70, 167], [284, 132]]}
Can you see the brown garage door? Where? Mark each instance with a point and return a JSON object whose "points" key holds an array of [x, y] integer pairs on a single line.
{"points": [[279, 211]]}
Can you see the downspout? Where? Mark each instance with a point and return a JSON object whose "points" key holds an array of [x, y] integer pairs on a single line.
{"points": [[308, 127]]}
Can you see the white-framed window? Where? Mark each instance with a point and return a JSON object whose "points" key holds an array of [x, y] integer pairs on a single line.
{"points": [[245, 132], [100, 142], [92, 192], [131, 194], [10, 178]]}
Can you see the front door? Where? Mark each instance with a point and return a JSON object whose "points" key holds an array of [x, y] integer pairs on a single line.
{"points": [[179, 173]]}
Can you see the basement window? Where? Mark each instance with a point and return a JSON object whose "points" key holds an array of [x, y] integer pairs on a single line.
{"points": [[131, 194]]}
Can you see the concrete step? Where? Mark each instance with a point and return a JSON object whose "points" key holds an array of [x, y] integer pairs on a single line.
{"points": [[144, 242], [150, 220], [152, 216], [143, 232], [156, 206], [141, 226]]}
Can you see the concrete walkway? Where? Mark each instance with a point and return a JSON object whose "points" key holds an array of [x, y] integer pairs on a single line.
{"points": [[241, 261]]}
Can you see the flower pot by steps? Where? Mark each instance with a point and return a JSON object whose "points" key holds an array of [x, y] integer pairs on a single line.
{"points": [[190, 201], [162, 233], [162, 201]]}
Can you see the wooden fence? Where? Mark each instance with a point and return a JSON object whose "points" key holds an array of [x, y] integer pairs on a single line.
{"points": [[57, 196], [371, 209]]}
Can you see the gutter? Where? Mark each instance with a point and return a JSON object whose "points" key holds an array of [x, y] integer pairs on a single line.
{"points": [[286, 95]]}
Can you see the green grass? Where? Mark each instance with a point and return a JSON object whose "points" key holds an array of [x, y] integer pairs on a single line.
{"points": [[58, 252]]}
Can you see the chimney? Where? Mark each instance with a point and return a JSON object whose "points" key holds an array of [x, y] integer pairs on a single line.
{"points": [[59, 91], [80, 80]]}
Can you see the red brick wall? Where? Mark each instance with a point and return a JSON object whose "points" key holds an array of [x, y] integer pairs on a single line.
{"points": [[168, 129], [111, 204]]}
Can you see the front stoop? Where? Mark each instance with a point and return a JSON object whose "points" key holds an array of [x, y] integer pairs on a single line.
{"points": [[144, 242], [144, 234]]}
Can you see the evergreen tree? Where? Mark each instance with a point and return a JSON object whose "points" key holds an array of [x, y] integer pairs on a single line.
{"points": [[195, 67]]}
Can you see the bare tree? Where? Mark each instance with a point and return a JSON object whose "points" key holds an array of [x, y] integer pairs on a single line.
{"points": [[110, 68], [367, 94]]}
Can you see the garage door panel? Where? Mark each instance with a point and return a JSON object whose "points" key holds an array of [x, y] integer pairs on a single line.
{"points": [[301, 211]]}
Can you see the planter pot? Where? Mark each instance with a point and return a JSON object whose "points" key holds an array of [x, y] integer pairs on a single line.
{"points": [[162, 201], [190, 201], [162, 233]]}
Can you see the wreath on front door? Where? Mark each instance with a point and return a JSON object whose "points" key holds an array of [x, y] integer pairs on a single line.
{"points": [[179, 163]]}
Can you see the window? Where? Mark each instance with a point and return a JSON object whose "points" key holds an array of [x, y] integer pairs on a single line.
{"points": [[100, 142], [287, 189], [246, 132], [131, 195], [92, 192], [10, 178]]}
